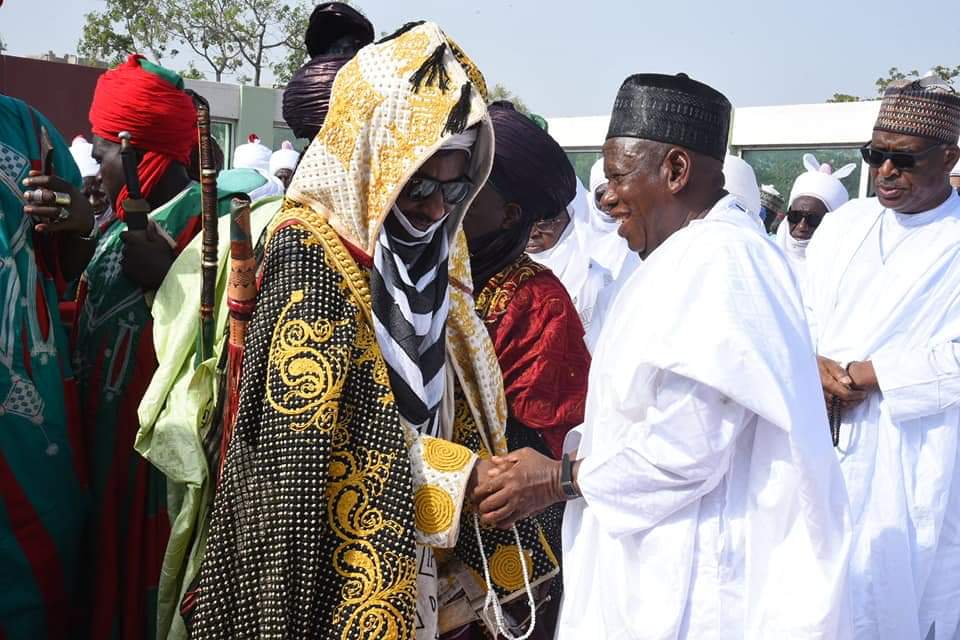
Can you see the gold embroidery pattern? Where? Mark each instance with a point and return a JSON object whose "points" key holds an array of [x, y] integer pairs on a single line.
{"points": [[366, 341], [505, 569], [380, 589], [350, 115], [433, 509], [493, 300], [444, 455], [310, 379]]}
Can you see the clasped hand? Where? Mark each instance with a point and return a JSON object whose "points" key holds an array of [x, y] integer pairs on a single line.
{"points": [[516, 486]]}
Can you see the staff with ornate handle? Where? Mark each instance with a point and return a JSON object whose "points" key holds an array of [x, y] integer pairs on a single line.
{"points": [[209, 211], [241, 295], [136, 208]]}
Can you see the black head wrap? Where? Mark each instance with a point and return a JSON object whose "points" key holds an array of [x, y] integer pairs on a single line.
{"points": [[330, 22], [672, 109], [307, 96], [529, 167]]}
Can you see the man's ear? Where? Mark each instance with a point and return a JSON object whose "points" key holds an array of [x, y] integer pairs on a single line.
{"points": [[512, 215], [678, 165], [951, 156]]}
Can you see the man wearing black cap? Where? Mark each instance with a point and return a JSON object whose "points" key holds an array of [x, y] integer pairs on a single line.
{"points": [[704, 498], [883, 278]]}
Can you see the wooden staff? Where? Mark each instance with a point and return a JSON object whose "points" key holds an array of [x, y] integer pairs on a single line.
{"points": [[136, 208], [208, 256], [241, 294]]}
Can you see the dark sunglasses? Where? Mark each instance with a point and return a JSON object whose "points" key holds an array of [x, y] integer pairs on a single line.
{"points": [[452, 191], [900, 159], [813, 219]]}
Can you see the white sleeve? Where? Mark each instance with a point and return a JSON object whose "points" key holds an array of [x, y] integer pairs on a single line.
{"points": [[921, 382], [673, 455]]}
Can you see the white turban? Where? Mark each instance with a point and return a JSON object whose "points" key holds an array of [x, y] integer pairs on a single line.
{"points": [[956, 169], [252, 155], [82, 152], [741, 181], [286, 157], [820, 181], [461, 141]]}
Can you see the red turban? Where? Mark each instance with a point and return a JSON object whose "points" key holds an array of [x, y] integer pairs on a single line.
{"points": [[149, 102]]}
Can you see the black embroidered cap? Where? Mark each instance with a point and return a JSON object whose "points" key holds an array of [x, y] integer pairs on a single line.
{"points": [[674, 110]]}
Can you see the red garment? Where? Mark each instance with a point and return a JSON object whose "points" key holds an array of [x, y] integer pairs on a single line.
{"points": [[538, 338], [159, 115]]}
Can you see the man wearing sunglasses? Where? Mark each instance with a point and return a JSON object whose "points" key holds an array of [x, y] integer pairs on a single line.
{"points": [[883, 277], [815, 192]]}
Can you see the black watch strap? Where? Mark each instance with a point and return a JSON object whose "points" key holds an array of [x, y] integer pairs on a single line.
{"points": [[566, 478]]}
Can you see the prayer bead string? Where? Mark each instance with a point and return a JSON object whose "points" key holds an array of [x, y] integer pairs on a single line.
{"points": [[492, 601]]}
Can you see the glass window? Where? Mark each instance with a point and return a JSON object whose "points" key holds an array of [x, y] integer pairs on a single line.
{"points": [[780, 167], [582, 162], [222, 132], [284, 133]]}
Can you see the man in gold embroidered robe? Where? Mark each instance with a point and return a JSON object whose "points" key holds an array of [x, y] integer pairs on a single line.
{"points": [[370, 394]]}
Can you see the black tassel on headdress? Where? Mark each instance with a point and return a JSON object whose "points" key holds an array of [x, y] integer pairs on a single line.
{"points": [[402, 30], [432, 71], [457, 120]]}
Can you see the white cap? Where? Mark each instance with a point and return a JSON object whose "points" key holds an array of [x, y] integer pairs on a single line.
{"points": [[741, 181], [252, 155], [82, 152], [286, 157], [820, 181]]}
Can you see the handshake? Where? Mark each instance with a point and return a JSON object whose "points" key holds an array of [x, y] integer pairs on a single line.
{"points": [[509, 488]]}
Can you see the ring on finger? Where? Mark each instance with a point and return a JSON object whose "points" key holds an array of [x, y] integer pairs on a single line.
{"points": [[61, 199], [62, 214], [35, 196]]}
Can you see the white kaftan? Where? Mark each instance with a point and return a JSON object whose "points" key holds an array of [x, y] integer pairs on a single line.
{"points": [[714, 506], [885, 287]]}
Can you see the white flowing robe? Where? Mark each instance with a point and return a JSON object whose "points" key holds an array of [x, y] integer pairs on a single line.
{"points": [[885, 287], [714, 505]]}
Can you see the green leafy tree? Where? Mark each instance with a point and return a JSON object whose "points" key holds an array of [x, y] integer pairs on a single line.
{"points": [[192, 73], [203, 26], [894, 74], [124, 27], [500, 92]]}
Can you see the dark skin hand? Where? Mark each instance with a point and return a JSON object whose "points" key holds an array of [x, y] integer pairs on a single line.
{"points": [[520, 484], [75, 251], [147, 257], [839, 383]]}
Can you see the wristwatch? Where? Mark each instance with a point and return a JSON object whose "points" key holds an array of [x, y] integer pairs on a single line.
{"points": [[570, 491]]}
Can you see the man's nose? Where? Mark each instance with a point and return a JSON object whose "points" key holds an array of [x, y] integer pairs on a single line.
{"points": [[887, 169], [434, 207]]}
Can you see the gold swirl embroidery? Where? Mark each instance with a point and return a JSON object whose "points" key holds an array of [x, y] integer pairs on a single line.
{"points": [[433, 509], [505, 569], [351, 114], [366, 341], [493, 300], [311, 378], [444, 455], [380, 588]]}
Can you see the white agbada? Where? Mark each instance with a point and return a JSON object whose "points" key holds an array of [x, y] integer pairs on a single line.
{"points": [[714, 504], [885, 287], [570, 260]]}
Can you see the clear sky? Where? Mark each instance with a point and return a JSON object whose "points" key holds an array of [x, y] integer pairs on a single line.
{"points": [[568, 58]]}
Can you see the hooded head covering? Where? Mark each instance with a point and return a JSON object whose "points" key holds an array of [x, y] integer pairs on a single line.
{"points": [[529, 167], [252, 155], [820, 181], [925, 108], [286, 157], [393, 106], [672, 109], [82, 152], [149, 102], [741, 181]]}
